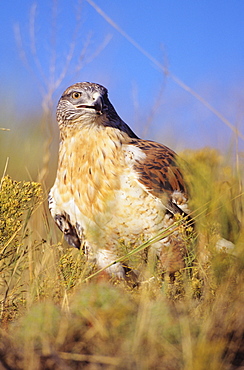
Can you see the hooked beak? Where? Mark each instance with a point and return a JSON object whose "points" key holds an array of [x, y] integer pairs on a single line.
{"points": [[97, 104]]}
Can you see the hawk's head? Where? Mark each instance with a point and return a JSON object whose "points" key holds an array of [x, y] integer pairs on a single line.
{"points": [[83, 101], [87, 103]]}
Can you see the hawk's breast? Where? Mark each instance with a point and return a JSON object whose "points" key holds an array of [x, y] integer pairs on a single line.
{"points": [[98, 188]]}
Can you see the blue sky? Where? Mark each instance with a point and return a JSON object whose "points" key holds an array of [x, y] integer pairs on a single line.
{"points": [[199, 42]]}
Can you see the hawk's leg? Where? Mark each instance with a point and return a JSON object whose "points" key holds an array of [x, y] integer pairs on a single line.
{"points": [[70, 233]]}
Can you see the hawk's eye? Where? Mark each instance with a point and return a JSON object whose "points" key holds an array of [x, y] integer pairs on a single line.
{"points": [[76, 95]]}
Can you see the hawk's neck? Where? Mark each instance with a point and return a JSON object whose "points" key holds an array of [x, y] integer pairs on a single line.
{"points": [[90, 164]]}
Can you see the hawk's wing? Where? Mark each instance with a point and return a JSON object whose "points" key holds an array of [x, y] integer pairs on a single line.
{"points": [[62, 220], [159, 173]]}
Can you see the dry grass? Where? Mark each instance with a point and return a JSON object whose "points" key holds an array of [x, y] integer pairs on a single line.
{"points": [[53, 318]]}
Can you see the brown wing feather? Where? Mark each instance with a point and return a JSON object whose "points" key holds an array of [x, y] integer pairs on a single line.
{"points": [[159, 171]]}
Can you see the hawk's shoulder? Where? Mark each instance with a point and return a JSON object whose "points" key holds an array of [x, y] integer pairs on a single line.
{"points": [[157, 168]]}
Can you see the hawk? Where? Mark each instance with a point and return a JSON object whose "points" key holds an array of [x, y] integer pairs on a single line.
{"points": [[112, 186]]}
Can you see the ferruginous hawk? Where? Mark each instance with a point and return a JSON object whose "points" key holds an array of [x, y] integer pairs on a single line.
{"points": [[112, 185]]}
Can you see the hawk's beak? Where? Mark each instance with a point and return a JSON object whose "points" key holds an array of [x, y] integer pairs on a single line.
{"points": [[97, 104]]}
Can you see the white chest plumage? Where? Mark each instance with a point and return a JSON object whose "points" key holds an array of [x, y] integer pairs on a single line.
{"points": [[104, 198]]}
